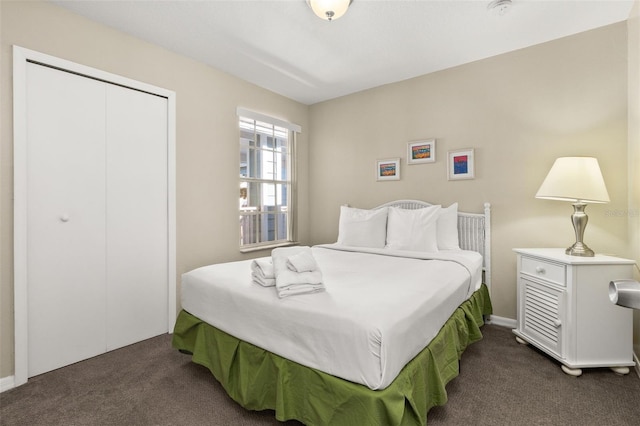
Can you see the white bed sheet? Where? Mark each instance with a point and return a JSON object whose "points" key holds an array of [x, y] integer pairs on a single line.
{"points": [[379, 310]]}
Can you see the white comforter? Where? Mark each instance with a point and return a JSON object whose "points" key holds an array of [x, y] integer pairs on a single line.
{"points": [[379, 310]]}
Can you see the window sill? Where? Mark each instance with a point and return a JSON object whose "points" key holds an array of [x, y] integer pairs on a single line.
{"points": [[268, 246]]}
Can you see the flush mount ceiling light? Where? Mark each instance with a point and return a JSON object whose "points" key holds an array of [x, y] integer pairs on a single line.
{"points": [[329, 9], [499, 7]]}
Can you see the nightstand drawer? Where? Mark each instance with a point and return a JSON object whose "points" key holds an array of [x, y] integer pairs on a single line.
{"points": [[547, 271]]}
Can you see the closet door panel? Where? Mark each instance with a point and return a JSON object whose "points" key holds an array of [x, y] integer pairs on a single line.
{"points": [[137, 216], [66, 216]]}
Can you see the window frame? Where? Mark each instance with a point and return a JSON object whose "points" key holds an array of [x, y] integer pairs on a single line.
{"points": [[286, 207]]}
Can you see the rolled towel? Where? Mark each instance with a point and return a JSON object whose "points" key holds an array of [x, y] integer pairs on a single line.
{"points": [[302, 261], [262, 272]]}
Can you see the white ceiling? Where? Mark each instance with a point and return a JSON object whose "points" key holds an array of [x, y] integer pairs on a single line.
{"points": [[282, 46]]}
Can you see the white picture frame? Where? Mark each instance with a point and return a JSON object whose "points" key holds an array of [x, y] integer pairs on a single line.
{"points": [[461, 164], [420, 152], [388, 169]]}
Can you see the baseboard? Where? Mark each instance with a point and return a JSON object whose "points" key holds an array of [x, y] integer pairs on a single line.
{"points": [[502, 321], [7, 383]]}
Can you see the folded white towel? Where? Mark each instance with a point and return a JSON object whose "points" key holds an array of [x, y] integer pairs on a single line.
{"points": [[300, 289], [262, 272], [289, 282], [264, 282], [302, 262]]}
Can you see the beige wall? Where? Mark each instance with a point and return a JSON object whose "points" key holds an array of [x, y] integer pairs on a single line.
{"points": [[519, 111], [633, 28], [207, 135]]}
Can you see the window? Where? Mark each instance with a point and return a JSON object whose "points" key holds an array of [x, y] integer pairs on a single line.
{"points": [[266, 181]]}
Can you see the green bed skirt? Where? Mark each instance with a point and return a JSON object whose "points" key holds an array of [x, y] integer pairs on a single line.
{"points": [[260, 380]]}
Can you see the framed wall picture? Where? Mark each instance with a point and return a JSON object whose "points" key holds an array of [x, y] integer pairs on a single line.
{"points": [[460, 164], [388, 169], [420, 152]]}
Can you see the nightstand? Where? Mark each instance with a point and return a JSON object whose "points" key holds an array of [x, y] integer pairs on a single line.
{"points": [[564, 309]]}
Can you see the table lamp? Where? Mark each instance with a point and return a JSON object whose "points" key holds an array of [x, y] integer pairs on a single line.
{"points": [[578, 180]]}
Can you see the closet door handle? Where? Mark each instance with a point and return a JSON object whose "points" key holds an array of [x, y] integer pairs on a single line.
{"points": [[64, 218]]}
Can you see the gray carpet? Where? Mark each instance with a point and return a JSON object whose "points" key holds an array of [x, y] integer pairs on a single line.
{"points": [[501, 383]]}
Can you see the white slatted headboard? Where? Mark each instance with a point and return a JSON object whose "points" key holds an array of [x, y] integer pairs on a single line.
{"points": [[474, 231]]}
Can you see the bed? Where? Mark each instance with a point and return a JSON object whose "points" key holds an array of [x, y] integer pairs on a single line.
{"points": [[377, 346]]}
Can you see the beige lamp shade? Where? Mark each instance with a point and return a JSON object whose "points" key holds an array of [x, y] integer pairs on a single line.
{"points": [[576, 179]]}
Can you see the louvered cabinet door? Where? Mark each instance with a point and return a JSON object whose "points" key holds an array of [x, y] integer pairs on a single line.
{"points": [[542, 310]]}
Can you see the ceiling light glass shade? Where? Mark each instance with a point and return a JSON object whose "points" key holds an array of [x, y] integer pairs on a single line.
{"points": [[329, 9], [574, 179]]}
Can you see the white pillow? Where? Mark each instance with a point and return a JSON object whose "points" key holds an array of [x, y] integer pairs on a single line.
{"points": [[448, 228], [362, 228], [414, 230]]}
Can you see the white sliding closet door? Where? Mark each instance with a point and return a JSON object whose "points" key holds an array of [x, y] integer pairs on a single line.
{"points": [[137, 244], [98, 241], [66, 218]]}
